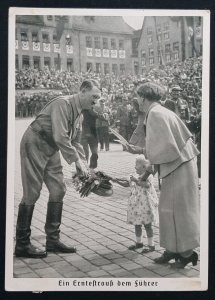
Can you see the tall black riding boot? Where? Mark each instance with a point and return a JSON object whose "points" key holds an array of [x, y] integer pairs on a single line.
{"points": [[53, 222], [23, 247]]}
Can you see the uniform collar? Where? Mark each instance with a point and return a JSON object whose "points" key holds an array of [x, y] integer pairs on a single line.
{"points": [[77, 104]]}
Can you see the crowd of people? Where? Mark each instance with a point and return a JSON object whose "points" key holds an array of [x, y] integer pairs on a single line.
{"points": [[187, 75]]}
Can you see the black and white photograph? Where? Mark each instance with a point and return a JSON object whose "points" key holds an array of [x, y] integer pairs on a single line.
{"points": [[107, 161]]}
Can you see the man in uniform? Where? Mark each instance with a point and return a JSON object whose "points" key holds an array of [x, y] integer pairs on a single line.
{"points": [[55, 129], [177, 104]]}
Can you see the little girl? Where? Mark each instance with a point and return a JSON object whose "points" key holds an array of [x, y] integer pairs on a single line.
{"points": [[142, 204]]}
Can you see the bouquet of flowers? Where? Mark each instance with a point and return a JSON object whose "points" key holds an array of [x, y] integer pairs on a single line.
{"points": [[97, 183]]}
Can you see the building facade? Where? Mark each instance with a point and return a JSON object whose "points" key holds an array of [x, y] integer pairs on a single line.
{"points": [[76, 43], [166, 40]]}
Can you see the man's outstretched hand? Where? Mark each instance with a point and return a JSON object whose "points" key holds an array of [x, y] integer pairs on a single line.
{"points": [[135, 149]]}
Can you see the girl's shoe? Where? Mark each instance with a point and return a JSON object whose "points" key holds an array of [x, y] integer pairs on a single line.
{"points": [[166, 257], [149, 249], [135, 246], [183, 261]]}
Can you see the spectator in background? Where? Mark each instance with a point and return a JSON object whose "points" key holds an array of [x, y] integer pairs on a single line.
{"points": [[177, 104], [102, 125], [89, 135], [124, 118]]}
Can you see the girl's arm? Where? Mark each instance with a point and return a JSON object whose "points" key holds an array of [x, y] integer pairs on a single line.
{"points": [[121, 181]]}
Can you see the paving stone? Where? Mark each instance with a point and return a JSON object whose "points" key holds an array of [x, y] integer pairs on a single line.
{"points": [[47, 272], [75, 274], [28, 275], [100, 261], [144, 273], [97, 273], [23, 270]]}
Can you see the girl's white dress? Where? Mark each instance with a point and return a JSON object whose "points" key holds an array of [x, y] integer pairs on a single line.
{"points": [[142, 203]]}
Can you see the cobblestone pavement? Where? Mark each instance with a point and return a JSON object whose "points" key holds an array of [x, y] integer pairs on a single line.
{"points": [[96, 226]]}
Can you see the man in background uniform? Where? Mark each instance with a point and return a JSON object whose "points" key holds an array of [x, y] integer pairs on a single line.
{"points": [[54, 129], [177, 104]]}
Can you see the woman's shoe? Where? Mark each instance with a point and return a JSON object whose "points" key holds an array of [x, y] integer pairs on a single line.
{"points": [[135, 246], [166, 257], [183, 261], [148, 249]]}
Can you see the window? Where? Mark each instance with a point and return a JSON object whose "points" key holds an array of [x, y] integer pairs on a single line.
{"points": [[159, 37], [69, 65], [68, 40], [97, 42], [35, 37], [49, 18], [56, 63], [159, 59], [25, 62], [45, 37], [167, 48], [176, 56], [98, 68], [143, 53], [151, 51], [151, 61], [47, 62], [176, 46], [54, 38], [88, 41], [168, 57], [122, 68], [106, 68], [17, 62], [143, 62], [158, 28], [166, 26], [113, 44], [149, 30], [150, 39], [24, 36], [121, 44], [159, 50], [115, 69], [89, 67], [105, 43], [36, 61], [166, 35]]}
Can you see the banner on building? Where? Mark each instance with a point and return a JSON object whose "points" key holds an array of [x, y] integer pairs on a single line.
{"points": [[46, 47], [69, 49], [121, 53], [114, 53], [25, 45], [98, 52], [190, 33], [105, 53], [36, 46], [89, 51], [16, 44], [198, 32], [57, 48]]}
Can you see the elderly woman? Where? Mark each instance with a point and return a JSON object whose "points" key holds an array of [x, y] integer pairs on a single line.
{"points": [[170, 148]]}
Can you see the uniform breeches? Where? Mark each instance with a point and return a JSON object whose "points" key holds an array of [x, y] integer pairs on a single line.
{"points": [[40, 163]]}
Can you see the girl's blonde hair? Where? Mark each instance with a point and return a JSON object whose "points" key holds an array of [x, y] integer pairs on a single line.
{"points": [[141, 158]]}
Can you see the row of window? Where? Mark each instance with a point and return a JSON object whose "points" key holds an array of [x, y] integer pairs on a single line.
{"points": [[115, 69], [167, 48], [167, 57], [159, 37], [45, 37], [104, 42], [166, 27], [97, 67]]}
